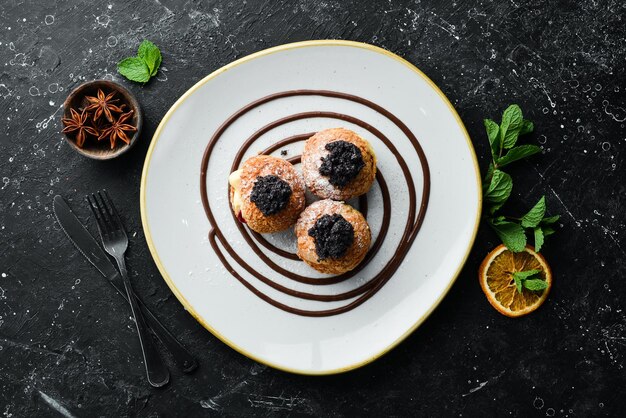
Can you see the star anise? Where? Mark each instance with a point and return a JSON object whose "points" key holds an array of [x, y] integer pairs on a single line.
{"points": [[118, 130], [78, 124], [103, 105]]}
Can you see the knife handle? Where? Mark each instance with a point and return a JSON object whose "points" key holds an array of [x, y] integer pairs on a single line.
{"points": [[183, 358]]}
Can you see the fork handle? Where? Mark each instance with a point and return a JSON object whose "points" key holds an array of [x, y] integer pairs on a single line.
{"points": [[180, 355], [157, 372]]}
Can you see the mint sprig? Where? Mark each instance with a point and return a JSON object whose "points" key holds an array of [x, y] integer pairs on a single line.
{"points": [[530, 280], [498, 185], [144, 66]]}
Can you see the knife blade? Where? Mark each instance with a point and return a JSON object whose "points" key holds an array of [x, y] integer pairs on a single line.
{"points": [[86, 244], [83, 240]]}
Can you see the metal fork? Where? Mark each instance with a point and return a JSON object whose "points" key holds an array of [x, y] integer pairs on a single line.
{"points": [[115, 242]]}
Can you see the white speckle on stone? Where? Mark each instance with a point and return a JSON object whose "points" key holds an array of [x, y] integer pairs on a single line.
{"points": [[103, 20]]}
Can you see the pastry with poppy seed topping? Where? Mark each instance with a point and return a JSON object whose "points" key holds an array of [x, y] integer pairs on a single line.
{"points": [[266, 193], [338, 164], [333, 237]]}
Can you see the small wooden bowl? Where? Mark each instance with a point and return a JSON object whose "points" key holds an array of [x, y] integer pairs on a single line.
{"points": [[101, 150]]}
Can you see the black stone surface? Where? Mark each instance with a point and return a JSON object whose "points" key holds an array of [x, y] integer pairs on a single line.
{"points": [[67, 340]]}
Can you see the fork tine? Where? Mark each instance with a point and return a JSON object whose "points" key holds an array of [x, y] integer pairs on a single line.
{"points": [[106, 214], [97, 211], [93, 205], [113, 212]]}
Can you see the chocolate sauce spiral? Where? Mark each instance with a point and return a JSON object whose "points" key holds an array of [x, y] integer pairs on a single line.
{"points": [[361, 293]]}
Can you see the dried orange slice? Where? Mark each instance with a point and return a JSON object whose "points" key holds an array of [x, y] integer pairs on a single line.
{"points": [[496, 279]]}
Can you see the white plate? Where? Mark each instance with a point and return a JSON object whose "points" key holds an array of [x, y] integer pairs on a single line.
{"points": [[177, 228]]}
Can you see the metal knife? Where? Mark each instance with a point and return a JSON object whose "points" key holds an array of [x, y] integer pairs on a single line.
{"points": [[89, 248]]}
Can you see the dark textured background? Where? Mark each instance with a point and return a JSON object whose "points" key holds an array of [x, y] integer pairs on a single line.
{"points": [[66, 337]]}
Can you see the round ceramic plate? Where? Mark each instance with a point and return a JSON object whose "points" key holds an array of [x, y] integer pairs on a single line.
{"points": [[248, 290]]}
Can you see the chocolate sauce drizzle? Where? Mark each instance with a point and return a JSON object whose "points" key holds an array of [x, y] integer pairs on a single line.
{"points": [[362, 293]]}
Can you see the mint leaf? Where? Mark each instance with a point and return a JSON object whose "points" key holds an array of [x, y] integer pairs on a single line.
{"points": [[535, 215], [535, 284], [134, 69], [511, 234], [510, 138], [547, 231], [527, 127], [546, 228], [498, 220], [499, 190], [550, 220], [488, 176], [517, 153], [512, 120], [539, 238], [526, 274], [519, 277], [494, 139], [151, 55]]}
